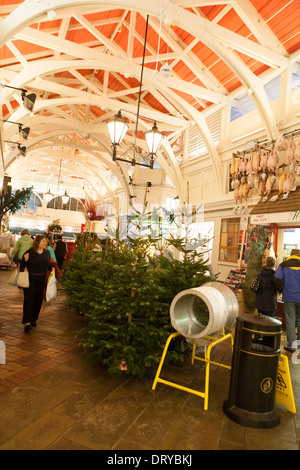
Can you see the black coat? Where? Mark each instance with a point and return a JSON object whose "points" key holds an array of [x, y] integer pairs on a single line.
{"points": [[266, 296], [60, 249]]}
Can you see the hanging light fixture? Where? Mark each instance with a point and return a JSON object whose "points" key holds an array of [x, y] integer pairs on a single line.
{"points": [[28, 100], [65, 198], [48, 196], [118, 127], [154, 138], [22, 149], [23, 131]]}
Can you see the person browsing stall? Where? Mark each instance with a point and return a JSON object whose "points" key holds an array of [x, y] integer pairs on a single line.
{"points": [[60, 249], [287, 278], [266, 296]]}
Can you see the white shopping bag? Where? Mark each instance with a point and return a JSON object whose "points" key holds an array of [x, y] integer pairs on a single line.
{"points": [[51, 287]]}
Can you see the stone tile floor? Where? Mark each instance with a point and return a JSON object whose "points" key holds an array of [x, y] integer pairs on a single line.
{"points": [[50, 399]]}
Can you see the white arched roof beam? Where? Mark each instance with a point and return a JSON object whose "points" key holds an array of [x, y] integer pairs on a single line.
{"points": [[74, 95], [93, 129], [220, 41], [30, 11], [86, 128], [213, 35], [119, 169], [200, 122], [44, 168], [66, 174], [37, 144], [52, 168], [125, 68]]}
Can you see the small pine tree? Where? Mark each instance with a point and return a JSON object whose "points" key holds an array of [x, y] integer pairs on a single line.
{"points": [[176, 275], [120, 294], [126, 296], [74, 277], [13, 202]]}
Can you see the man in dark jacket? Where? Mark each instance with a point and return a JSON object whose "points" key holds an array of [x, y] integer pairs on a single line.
{"points": [[60, 249], [287, 278]]}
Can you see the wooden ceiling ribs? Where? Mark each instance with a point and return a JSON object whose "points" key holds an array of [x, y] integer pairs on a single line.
{"points": [[214, 48]]}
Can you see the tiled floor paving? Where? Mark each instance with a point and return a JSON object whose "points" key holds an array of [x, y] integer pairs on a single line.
{"points": [[51, 399]]}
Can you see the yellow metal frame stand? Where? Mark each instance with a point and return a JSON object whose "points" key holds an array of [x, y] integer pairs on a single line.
{"points": [[206, 359]]}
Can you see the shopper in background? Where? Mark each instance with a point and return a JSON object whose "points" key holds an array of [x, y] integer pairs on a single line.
{"points": [[22, 245], [37, 262], [50, 249], [287, 278], [266, 296], [60, 249]]}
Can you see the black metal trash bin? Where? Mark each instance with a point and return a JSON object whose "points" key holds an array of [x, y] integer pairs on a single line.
{"points": [[254, 372]]}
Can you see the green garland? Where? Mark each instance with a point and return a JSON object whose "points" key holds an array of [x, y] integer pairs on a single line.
{"points": [[258, 243], [54, 228]]}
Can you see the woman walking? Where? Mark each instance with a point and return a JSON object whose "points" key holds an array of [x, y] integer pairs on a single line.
{"points": [[266, 296], [37, 260]]}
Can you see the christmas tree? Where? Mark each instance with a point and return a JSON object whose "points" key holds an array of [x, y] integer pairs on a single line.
{"points": [[125, 292], [120, 296]]}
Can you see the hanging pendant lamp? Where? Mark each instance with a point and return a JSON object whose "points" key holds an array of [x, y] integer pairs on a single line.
{"points": [[48, 196], [118, 127], [65, 198]]}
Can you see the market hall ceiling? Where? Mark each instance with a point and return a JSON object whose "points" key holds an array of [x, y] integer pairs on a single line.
{"points": [[83, 60]]}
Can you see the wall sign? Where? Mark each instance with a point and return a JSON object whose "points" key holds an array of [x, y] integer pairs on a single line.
{"points": [[276, 217]]}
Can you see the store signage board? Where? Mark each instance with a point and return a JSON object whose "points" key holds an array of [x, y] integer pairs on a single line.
{"points": [[276, 217], [259, 219]]}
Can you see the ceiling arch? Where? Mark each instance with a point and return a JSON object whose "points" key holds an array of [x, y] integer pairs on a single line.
{"points": [[83, 59], [82, 170], [90, 174]]}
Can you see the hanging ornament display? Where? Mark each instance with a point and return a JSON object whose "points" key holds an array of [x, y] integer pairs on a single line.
{"points": [[271, 166]]}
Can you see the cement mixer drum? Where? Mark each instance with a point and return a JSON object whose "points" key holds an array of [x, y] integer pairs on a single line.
{"points": [[204, 310]]}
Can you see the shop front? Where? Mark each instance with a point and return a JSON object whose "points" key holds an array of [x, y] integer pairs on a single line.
{"points": [[282, 218]]}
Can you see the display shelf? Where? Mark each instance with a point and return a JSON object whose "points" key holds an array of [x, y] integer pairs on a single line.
{"points": [[235, 279]]}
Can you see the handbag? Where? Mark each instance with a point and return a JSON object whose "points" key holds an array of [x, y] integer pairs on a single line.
{"points": [[23, 279], [13, 279], [254, 286], [51, 289]]}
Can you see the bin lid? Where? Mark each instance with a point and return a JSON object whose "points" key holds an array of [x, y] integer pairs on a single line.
{"points": [[261, 323]]}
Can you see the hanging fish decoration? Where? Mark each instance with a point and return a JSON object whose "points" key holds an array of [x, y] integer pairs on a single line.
{"points": [[289, 185], [256, 162], [261, 188], [280, 185], [249, 167], [264, 161], [281, 143], [290, 151], [297, 152], [273, 160], [269, 186]]}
